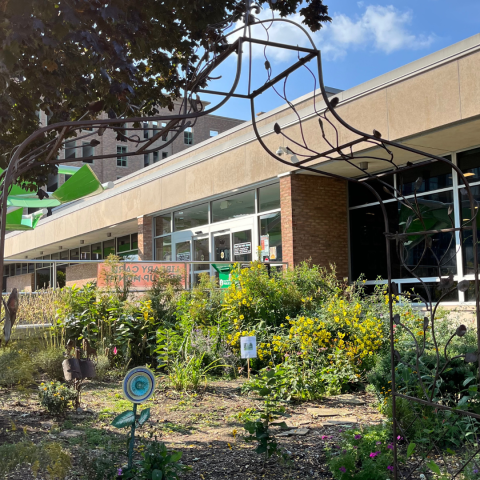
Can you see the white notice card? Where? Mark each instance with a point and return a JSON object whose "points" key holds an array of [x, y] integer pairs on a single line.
{"points": [[248, 347]]}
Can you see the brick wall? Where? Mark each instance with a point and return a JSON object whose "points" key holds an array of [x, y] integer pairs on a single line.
{"points": [[314, 221], [145, 238], [23, 283], [81, 274]]}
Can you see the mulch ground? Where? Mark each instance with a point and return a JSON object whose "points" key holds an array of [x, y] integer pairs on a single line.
{"points": [[206, 427]]}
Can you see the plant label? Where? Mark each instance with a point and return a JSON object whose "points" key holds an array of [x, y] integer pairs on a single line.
{"points": [[248, 347]]}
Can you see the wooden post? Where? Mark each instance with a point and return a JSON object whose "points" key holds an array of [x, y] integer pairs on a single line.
{"points": [[248, 367]]}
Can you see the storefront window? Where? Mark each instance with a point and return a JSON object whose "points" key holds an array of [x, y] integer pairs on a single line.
{"points": [[235, 206], [269, 197], [191, 217], [163, 224], [108, 248], [182, 251], [435, 175], [163, 248], [469, 163], [75, 254], [242, 246], [271, 237], [97, 251], [85, 253], [123, 244]]}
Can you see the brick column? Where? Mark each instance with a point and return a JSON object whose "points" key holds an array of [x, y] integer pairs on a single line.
{"points": [[314, 221], [145, 238]]}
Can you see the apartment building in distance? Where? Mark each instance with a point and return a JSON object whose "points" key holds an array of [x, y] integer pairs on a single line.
{"points": [[112, 169]]}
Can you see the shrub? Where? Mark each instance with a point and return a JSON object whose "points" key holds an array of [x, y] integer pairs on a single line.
{"points": [[55, 397], [49, 361], [16, 366], [48, 458], [361, 454]]}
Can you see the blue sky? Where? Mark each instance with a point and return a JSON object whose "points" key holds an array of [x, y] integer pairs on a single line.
{"points": [[364, 40]]}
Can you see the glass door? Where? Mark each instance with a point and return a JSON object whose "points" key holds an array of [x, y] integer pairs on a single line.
{"points": [[201, 252], [242, 245]]}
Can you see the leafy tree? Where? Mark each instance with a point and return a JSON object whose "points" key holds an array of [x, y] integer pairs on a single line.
{"points": [[69, 57]]}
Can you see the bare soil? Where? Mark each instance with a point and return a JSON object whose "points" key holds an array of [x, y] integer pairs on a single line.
{"points": [[206, 427]]}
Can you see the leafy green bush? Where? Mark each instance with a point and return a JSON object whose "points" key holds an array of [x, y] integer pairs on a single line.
{"points": [[56, 397], [16, 366], [47, 458], [362, 454], [158, 463], [49, 361]]}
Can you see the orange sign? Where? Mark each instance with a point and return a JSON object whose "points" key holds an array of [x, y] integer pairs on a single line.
{"points": [[143, 274]]}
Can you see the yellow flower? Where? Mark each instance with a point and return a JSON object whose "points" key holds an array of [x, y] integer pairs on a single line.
{"points": [[241, 317]]}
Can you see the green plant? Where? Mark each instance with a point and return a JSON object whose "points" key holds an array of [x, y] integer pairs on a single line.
{"points": [[16, 366], [361, 454], [55, 397], [190, 374], [100, 466], [49, 361], [271, 382], [48, 458], [158, 463]]}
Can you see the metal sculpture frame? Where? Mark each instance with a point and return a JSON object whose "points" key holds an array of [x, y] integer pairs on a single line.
{"points": [[329, 118]]}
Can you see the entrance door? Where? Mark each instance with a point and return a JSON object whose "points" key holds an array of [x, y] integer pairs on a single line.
{"points": [[201, 253]]}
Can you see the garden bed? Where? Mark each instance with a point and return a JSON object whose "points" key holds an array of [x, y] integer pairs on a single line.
{"points": [[201, 426]]}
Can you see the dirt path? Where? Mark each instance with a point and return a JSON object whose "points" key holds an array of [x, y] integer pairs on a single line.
{"points": [[206, 427]]}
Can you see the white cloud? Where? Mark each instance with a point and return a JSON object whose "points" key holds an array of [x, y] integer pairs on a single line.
{"points": [[382, 28]]}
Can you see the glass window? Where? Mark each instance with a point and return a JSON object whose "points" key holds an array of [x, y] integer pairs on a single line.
{"points": [[146, 159], [164, 136], [87, 151], [469, 164], [466, 216], [271, 237], [163, 224], [213, 133], [155, 157], [18, 269], [155, 128], [75, 254], [97, 251], [163, 248], [64, 255], [52, 184], [233, 207], [108, 248], [367, 240], [435, 175], [182, 251], [24, 268], [188, 136], [201, 252], [269, 197], [31, 267], [121, 159], [134, 241], [70, 151], [242, 246], [191, 217], [55, 256], [85, 253], [417, 292], [359, 194], [221, 246], [145, 129], [123, 244], [164, 154]]}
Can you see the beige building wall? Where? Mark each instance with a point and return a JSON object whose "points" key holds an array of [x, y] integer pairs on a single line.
{"points": [[23, 283]]}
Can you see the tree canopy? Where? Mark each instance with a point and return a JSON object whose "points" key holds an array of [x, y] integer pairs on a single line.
{"points": [[62, 56]]}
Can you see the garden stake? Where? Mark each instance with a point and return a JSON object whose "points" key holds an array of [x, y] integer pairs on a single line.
{"points": [[132, 438]]}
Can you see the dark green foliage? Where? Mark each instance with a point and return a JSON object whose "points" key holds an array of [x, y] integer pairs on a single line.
{"points": [[104, 56]]}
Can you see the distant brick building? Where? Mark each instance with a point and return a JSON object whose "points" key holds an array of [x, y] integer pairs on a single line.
{"points": [[112, 169]]}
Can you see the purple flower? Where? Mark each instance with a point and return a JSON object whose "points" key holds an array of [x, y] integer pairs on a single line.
{"points": [[379, 443], [399, 438], [390, 468], [343, 469], [344, 452], [324, 437], [119, 472], [390, 446], [475, 470], [358, 437], [374, 454], [355, 447]]}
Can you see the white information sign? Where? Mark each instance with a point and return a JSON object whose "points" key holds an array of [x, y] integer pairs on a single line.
{"points": [[248, 347]]}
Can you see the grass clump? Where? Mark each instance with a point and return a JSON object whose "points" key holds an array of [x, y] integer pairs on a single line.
{"points": [[49, 361], [47, 458], [16, 367]]}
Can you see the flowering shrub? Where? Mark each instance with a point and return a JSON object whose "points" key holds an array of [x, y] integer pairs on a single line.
{"points": [[55, 396], [361, 454]]}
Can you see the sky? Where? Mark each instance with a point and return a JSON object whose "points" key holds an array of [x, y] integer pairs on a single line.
{"points": [[364, 40]]}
